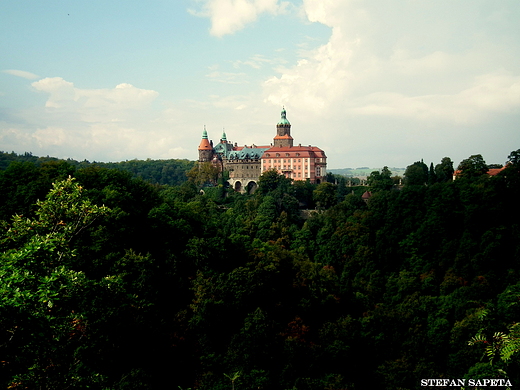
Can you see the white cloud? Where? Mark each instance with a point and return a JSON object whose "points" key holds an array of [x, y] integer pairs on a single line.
{"points": [[88, 123], [50, 136], [489, 94], [258, 61], [315, 81], [119, 104], [229, 16], [123, 96], [395, 80], [354, 74], [21, 73]]}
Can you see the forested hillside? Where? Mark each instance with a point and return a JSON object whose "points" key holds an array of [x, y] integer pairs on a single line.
{"points": [[110, 282], [171, 172]]}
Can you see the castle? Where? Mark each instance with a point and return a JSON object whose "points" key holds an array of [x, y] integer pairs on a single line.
{"points": [[245, 163]]}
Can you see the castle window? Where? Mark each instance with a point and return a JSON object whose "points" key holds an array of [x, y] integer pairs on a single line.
{"points": [[277, 154]]}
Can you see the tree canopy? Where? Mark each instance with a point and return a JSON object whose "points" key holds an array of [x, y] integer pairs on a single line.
{"points": [[111, 282]]}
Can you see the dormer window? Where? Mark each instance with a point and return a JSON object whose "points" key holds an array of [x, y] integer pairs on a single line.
{"points": [[277, 154]]}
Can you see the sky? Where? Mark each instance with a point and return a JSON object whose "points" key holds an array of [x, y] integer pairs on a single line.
{"points": [[372, 83]]}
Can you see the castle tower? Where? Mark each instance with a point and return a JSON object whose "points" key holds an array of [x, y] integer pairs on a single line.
{"points": [[283, 132], [205, 148]]}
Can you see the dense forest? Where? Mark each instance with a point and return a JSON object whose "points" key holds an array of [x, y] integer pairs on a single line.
{"points": [[171, 172], [111, 282]]}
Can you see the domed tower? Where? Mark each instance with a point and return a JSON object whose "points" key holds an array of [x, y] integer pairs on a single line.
{"points": [[205, 148], [283, 132]]}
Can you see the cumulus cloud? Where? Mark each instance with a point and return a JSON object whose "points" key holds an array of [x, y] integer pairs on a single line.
{"points": [[365, 69], [88, 123], [487, 95], [64, 93], [94, 105], [50, 136], [258, 61], [315, 81], [229, 16], [21, 73]]}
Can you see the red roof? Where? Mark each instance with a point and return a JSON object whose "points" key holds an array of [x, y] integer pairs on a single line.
{"points": [[205, 145], [366, 195], [286, 136], [294, 151], [495, 171], [490, 172]]}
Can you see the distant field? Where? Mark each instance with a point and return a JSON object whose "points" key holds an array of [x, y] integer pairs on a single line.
{"points": [[364, 171]]}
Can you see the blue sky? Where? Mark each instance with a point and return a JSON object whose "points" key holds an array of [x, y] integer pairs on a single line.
{"points": [[372, 83]]}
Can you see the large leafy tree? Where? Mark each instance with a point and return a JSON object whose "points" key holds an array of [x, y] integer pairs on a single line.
{"points": [[472, 167], [416, 174], [514, 158], [204, 173], [325, 195], [380, 180], [50, 311], [271, 180], [444, 170]]}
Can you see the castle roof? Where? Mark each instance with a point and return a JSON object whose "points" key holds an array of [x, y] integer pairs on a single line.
{"points": [[495, 171], [204, 143], [254, 146], [295, 151], [283, 120], [223, 148], [285, 136], [490, 172], [247, 153]]}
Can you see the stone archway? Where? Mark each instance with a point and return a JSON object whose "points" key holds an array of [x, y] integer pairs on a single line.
{"points": [[251, 187], [238, 186]]}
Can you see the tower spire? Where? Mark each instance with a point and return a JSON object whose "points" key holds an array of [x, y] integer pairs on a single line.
{"points": [[205, 148], [283, 119], [283, 131]]}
